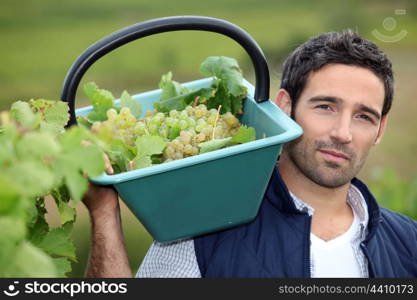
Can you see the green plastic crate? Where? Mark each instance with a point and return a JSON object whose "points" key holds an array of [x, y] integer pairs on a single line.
{"points": [[211, 191]]}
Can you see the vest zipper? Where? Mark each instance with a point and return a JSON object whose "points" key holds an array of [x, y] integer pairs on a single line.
{"points": [[371, 269], [307, 259]]}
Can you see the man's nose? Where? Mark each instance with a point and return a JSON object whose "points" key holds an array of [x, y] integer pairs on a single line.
{"points": [[342, 130]]}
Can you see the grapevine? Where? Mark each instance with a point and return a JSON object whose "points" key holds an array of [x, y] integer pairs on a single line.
{"points": [[40, 158]]}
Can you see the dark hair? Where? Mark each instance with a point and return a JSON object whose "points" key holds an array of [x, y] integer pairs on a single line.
{"points": [[345, 47]]}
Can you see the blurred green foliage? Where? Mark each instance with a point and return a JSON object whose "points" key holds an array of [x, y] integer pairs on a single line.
{"points": [[40, 39], [394, 192]]}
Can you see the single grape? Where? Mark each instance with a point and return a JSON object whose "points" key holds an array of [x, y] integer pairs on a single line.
{"points": [[111, 114], [174, 113]]}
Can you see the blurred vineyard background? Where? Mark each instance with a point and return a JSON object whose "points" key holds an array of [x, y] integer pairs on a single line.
{"points": [[41, 38]]}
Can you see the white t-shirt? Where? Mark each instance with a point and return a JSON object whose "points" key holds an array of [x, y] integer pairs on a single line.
{"points": [[336, 257]]}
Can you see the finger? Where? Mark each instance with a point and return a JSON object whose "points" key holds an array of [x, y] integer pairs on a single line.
{"points": [[107, 164]]}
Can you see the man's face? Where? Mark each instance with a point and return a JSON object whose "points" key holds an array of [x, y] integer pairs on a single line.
{"points": [[340, 112]]}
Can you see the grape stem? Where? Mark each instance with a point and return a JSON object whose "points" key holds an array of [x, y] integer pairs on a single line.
{"points": [[215, 122], [131, 165], [196, 101]]}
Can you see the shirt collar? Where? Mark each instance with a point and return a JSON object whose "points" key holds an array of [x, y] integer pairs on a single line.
{"points": [[355, 200]]}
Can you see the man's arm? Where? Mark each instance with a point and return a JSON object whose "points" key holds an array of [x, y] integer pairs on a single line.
{"points": [[108, 255]]}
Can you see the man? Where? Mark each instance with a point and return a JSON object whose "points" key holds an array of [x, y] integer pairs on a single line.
{"points": [[316, 218]]}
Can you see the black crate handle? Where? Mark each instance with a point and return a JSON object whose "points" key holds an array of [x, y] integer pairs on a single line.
{"points": [[154, 26]]}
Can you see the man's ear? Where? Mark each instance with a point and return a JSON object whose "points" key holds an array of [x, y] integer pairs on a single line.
{"points": [[283, 101], [381, 131]]}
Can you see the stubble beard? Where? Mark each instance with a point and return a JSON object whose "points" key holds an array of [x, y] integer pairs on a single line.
{"points": [[324, 173]]}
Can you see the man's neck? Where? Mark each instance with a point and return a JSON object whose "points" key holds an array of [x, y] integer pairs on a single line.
{"points": [[332, 214]]}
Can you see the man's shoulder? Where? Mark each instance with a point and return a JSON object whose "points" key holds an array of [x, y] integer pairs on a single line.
{"points": [[398, 221], [392, 218], [400, 233]]}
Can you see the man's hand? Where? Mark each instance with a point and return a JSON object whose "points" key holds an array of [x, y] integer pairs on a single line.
{"points": [[101, 201], [108, 256]]}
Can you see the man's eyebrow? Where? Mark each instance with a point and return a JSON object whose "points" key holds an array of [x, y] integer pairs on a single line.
{"points": [[325, 99], [370, 110]]}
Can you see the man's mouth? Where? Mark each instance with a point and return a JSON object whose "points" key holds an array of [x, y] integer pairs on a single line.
{"points": [[334, 155]]}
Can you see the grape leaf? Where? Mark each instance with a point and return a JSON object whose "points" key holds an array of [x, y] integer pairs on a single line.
{"points": [[237, 105], [77, 159], [37, 145], [58, 242], [54, 114], [227, 90], [97, 116], [120, 155], [102, 100], [228, 84], [56, 117], [29, 261], [7, 153], [9, 194], [92, 160], [31, 177], [40, 104], [147, 145], [142, 161], [127, 101], [61, 194], [38, 230], [180, 102], [169, 88], [214, 144], [244, 135], [62, 265], [227, 70], [21, 112], [32, 215], [8, 130], [77, 184], [66, 212], [84, 122], [73, 137], [174, 131], [12, 230], [68, 227], [87, 158], [221, 97], [62, 197]]}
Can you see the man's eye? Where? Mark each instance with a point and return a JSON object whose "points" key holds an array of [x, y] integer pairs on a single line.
{"points": [[366, 118], [324, 107]]}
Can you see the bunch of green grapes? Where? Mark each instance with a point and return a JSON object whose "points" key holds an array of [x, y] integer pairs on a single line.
{"points": [[186, 144], [197, 125], [182, 130], [118, 126]]}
